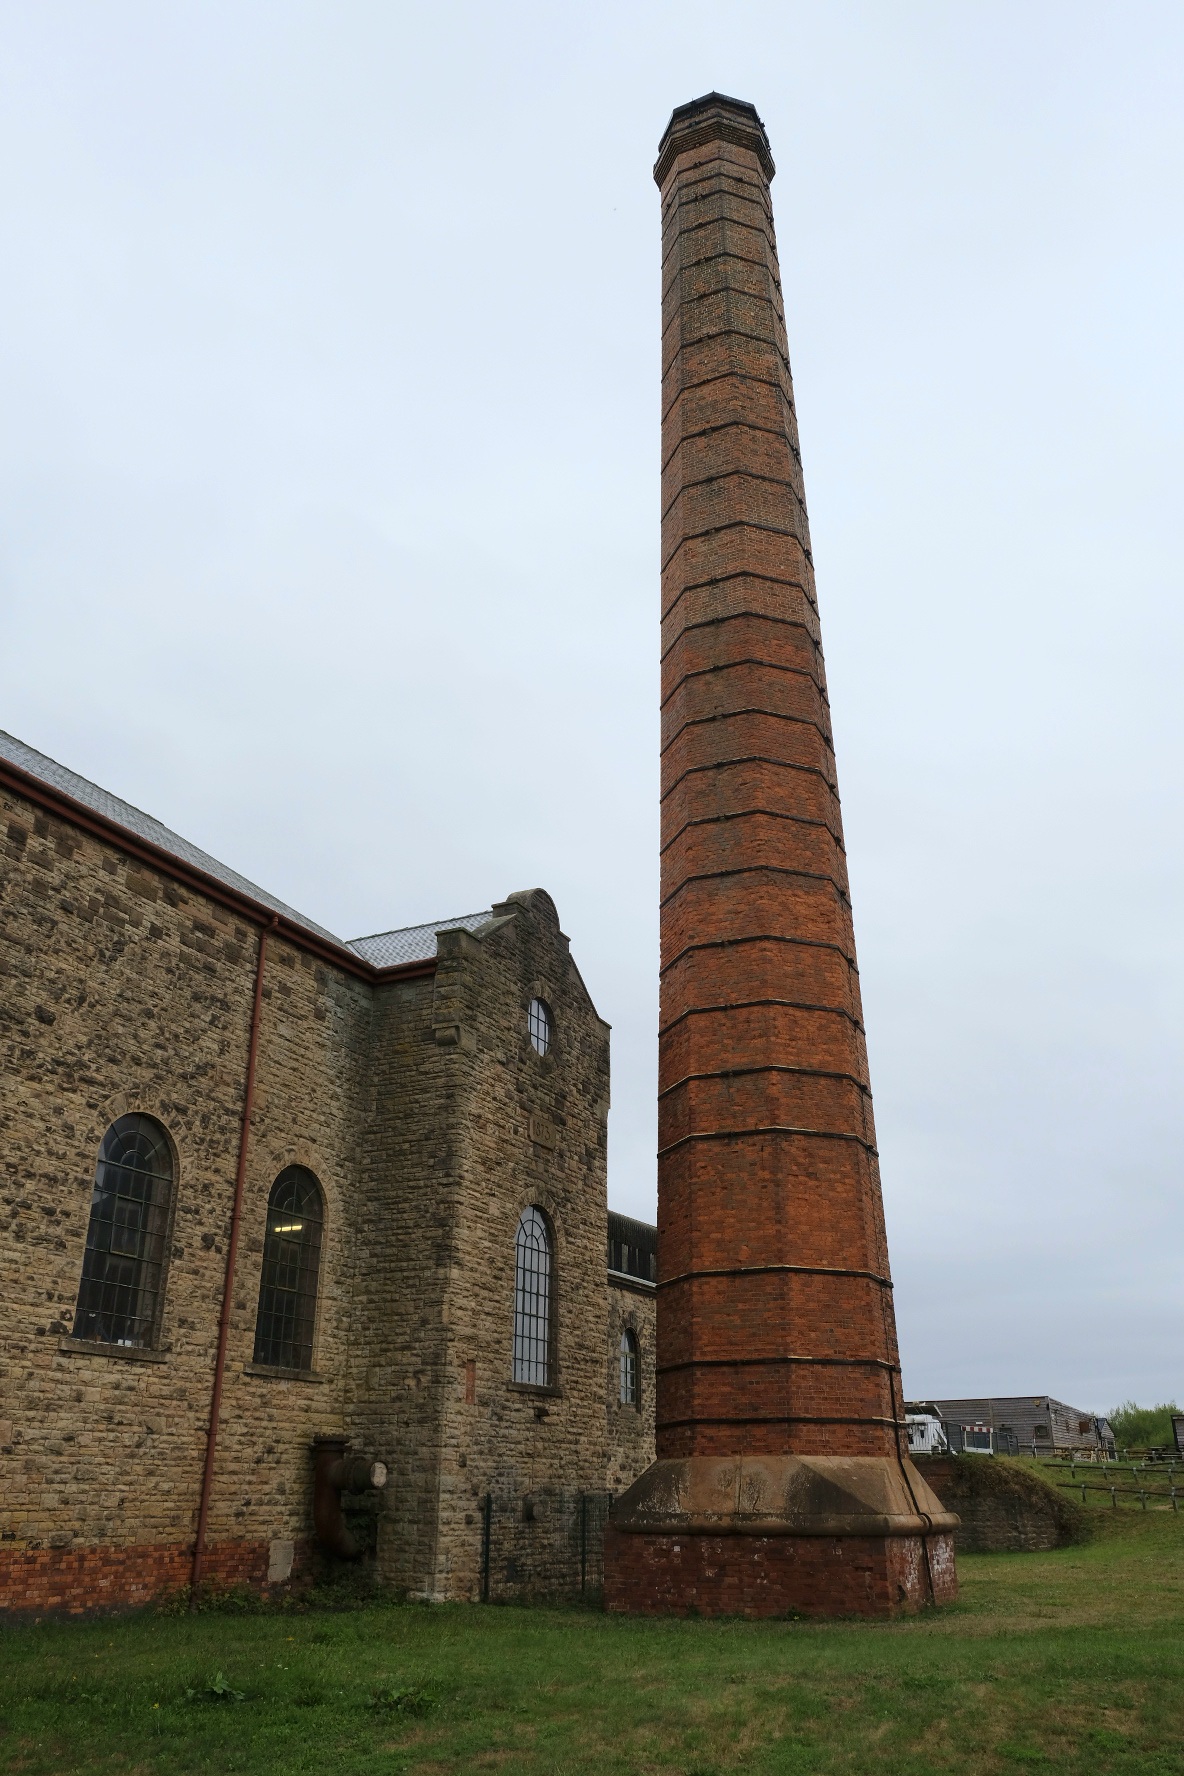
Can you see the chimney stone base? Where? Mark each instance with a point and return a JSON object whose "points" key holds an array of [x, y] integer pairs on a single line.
{"points": [[779, 1535]]}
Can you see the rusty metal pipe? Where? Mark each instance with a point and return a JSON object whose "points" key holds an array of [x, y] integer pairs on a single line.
{"points": [[335, 1471], [236, 1213]]}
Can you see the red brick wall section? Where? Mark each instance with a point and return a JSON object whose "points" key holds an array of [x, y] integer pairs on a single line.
{"points": [[742, 1575], [775, 1324], [83, 1581]]}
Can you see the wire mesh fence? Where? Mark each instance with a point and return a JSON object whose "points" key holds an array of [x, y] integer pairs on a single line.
{"points": [[549, 1544]]}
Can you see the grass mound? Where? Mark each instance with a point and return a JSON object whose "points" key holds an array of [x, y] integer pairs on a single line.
{"points": [[969, 1477]]}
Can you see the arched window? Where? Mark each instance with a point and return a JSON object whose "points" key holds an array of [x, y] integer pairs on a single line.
{"points": [[291, 1260], [627, 1392], [541, 1026], [532, 1300], [123, 1270]]}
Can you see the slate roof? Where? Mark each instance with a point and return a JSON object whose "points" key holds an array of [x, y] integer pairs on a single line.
{"points": [[387, 949], [414, 943]]}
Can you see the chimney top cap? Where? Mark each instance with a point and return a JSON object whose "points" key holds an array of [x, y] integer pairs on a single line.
{"points": [[714, 117]]}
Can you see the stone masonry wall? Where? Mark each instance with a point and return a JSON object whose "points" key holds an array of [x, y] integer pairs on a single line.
{"points": [[535, 1131], [1002, 1509], [428, 1120], [312, 1042], [405, 1206], [123, 992], [630, 1428]]}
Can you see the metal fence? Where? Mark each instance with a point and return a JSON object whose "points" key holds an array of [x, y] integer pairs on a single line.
{"points": [[549, 1545], [1153, 1466], [978, 1439]]}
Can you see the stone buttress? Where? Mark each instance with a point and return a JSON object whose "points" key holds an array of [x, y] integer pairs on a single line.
{"points": [[782, 1481]]}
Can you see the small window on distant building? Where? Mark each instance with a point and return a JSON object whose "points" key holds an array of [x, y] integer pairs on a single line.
{"points": [[540, 1025], [291, 1263], [123, 1269], [628, 1369], [1041, 1431], [532, 1300]]}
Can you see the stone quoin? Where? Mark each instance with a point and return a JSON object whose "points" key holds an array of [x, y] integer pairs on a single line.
{"points": [[782, 1481]]}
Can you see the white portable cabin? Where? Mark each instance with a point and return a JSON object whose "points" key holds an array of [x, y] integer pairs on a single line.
{"points": [[926, 1434]]}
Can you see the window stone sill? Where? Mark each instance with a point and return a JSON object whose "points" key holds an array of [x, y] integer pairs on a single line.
{"points": [[269, 1372], [531, 1387], [123, 1353]]}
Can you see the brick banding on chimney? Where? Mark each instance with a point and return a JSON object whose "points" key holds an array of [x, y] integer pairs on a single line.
{"points": [[778, 1394]]}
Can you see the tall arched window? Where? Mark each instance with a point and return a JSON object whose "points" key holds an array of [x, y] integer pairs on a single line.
{"points": [[532, 1300], [291, 1261], [123, 1270], [627, 1366]]}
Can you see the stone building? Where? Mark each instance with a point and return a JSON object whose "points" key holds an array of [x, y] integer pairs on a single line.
{"points": [[263, 1187]]}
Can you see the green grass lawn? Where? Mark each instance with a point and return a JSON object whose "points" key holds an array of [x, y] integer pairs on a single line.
{"points": [[1068, 1661]]}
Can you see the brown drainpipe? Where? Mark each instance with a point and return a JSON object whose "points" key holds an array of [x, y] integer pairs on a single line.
{"points": [[207, 1478]]}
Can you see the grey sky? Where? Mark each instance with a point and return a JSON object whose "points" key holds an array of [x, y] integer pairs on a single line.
{"points": [[329, 517]]}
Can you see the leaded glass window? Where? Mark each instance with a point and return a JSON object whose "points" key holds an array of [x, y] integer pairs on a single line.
{"points": [[126, 1241], [628, 1369], [291, 1261], [532, 1300]]}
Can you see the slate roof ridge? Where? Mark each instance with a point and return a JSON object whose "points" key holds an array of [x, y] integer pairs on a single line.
{"points": [[631, 1222], [146, 827], [382, 949]]}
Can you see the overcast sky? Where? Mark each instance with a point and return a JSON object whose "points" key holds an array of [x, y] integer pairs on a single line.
{"points": [[329, 521]]}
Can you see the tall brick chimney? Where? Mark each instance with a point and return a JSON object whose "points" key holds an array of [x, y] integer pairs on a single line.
{"points": [[782, 1480]]}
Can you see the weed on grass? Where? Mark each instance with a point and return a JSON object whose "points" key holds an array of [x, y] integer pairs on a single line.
{"points": [[409, 1699], [215, 1689]]}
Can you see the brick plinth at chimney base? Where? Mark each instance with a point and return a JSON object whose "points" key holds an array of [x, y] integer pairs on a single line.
{"points": [[774, 1535], [744, 1575]]}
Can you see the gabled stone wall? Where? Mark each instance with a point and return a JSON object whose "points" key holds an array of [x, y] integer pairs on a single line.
{"points": [[535, 1133]]}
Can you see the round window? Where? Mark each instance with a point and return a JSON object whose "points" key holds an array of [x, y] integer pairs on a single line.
{"points": [[538, 1021]]}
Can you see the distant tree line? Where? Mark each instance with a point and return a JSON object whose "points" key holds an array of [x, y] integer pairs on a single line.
{"points": [[1143, 1427]]}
